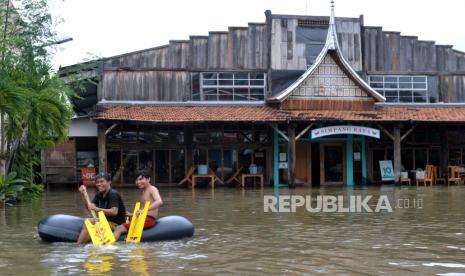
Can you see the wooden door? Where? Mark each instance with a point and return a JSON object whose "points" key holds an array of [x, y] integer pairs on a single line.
{"points": [[303, 169]]}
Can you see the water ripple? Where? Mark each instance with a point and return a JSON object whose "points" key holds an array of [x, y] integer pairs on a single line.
{"points": [[234, 236]]}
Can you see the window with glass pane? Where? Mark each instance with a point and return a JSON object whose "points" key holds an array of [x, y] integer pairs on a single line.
{"points": [[226, 86], [401, 89]]}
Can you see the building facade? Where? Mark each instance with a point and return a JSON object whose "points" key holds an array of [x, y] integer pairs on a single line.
{"points": [[309, 100]]}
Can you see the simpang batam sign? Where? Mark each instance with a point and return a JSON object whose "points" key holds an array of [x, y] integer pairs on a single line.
{"points": [[336, 130]]}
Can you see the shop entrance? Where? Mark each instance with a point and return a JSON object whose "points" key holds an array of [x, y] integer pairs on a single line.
{"points": [[332, 163]]}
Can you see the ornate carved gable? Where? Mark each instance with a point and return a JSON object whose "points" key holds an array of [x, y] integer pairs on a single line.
{"points": [[329, 81]]}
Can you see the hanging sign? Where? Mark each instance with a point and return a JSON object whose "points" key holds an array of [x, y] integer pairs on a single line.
{"points": [[387, 172], [337, 130]]}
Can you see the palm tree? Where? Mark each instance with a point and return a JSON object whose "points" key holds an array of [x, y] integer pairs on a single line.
{"points": [[12, 99], [35, 109], [48, 110]]}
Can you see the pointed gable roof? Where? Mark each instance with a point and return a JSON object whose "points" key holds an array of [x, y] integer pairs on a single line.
{"points": [[331, 47]]}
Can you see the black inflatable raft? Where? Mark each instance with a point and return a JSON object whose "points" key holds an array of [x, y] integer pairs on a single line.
{"points": [[66, 228]]}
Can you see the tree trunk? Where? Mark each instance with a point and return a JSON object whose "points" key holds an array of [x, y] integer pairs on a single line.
{"points": [[2, 145], [14, 147], [2, 167], [3, 153], [5, 29]]}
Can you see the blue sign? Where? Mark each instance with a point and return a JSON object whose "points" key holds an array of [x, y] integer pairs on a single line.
{"points": [[387, 172]]}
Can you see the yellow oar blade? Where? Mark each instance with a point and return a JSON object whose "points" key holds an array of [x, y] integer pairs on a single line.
{"points": [[133, 221], [100, 233], [94, 234], [105, 228], [138, 228]]}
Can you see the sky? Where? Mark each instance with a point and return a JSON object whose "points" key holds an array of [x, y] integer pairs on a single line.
{"points": [[104, 28]]}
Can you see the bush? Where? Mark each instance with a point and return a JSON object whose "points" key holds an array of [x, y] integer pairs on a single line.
{"points": [[11, 188]]}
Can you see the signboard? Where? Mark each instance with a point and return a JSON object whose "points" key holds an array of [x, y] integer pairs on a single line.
{"points": [[357, 156], [283, 165], [88, 176], [387, 172], [337, 130]]}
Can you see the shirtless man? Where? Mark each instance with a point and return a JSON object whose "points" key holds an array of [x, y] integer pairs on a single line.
{"points": [[149, 193]]}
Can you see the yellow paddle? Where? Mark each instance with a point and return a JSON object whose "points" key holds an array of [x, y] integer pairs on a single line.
{"points": [[100, 232], [137, 223]]}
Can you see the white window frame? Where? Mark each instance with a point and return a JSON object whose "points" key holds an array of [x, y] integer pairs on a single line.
{"points": [[383, 90], [218, 86]]}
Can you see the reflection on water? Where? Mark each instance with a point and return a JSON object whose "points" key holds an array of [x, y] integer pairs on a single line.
{"points": [[137, 263], [98, 263], [101, 261], [234, 235]]}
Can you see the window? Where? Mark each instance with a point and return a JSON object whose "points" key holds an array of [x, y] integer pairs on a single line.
{"points": [[229, 87], [401, 89]]}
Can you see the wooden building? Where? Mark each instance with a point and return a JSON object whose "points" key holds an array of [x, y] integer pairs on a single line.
{"points": [[308, 99]]}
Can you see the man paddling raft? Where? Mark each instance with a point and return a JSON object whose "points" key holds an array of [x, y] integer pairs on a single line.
{"points": [[150, 194], [108, 201]]}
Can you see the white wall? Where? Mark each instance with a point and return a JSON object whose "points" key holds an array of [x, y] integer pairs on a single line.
{"points": [[83, 127]]}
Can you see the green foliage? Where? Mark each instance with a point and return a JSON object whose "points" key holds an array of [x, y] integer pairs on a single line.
{"points": [[11, 188], [35, 103], [32, 192]]}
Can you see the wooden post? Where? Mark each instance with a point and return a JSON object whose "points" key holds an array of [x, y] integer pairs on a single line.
{"points": [[269, 156], [170, 166], [188, 140], [397, 154], [364, 162], [349, 160], [292, 155], [444, 151], [102, 149], [276, 161]]}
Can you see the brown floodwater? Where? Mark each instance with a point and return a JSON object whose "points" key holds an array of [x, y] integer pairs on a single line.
{"points": [[233, 235]]}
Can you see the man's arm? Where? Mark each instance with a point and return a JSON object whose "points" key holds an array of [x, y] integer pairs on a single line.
{"points": [[82, 189], [112, 212], [113, 202], [157, 201]]}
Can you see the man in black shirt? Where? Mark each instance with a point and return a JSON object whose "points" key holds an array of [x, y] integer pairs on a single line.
{"points": [[106, 200]]}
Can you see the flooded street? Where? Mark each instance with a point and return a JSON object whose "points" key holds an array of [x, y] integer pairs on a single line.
{"points": [[234, 235]]}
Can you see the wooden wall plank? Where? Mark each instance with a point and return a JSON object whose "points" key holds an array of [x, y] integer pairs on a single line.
{"points": [[452, 88], [248, 48], [406, 52], [198, 51], [147, 85]]}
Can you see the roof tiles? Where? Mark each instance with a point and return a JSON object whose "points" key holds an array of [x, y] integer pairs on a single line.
{"points": [[185, 114]]}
